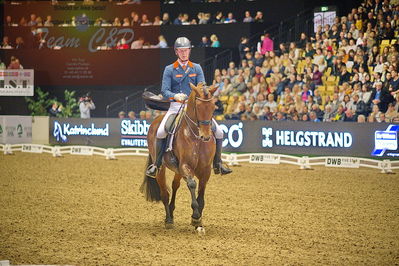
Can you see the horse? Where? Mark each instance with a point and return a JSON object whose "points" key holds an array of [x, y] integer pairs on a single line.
{"points": [[194, 148]]}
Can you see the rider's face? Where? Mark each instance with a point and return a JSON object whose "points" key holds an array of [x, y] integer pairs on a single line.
{"points": [[183, 54]]}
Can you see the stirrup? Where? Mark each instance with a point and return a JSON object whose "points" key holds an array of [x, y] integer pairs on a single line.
{"points": [[152, 171], [222, 170]]}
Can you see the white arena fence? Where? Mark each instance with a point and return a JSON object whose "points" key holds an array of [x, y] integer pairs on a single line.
{"points": [[304, 162]]}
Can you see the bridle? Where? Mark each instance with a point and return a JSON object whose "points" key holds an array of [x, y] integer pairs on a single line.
{"points": [[198, 122]]}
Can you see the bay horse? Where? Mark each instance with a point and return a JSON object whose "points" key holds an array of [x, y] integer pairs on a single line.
{"points": [[193, 147]]}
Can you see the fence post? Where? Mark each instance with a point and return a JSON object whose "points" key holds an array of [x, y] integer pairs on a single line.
{"points": [[304, 163], [385, 166]]}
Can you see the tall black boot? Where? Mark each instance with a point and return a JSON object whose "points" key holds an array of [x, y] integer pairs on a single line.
{"points": [[218, 167], [153, 169]]}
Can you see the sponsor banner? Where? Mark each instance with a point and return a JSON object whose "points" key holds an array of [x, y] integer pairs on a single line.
{"points": [[15, 129], [265, 158], [82, 150], [32, 148], [16, 82], [347, 162], [134, 133], [266, 137]]}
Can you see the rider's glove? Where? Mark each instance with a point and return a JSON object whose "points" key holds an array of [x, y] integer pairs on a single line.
{"points": [[180, 97]]}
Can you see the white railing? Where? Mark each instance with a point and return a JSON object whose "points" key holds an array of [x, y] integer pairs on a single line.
{"points": [[304, 162]]}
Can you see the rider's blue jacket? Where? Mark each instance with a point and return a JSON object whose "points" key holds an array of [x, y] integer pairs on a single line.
{"points": [[176, 80]]}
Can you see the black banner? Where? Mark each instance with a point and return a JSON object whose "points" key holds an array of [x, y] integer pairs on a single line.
{"points": [[300, 138]]}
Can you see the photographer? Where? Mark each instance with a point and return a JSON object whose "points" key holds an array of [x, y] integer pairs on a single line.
{"points": [[85, 105]]}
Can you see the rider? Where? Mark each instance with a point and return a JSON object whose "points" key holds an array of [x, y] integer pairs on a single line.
{"points": [[176, 86]]}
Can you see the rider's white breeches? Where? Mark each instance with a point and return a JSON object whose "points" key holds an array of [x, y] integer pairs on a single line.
{"points": [[174, 109]]}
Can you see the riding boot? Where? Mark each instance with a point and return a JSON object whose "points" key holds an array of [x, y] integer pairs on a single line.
{"points": [[218, 167], [153, 169]]}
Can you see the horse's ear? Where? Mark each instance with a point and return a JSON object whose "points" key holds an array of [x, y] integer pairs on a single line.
{"points": [[213, 88], [194, 88]]}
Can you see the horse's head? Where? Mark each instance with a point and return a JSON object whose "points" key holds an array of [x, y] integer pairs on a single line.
{"points": [[202, 107]]}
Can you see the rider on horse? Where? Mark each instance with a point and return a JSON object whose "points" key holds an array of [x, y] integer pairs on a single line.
{"points": [[175, 87]]}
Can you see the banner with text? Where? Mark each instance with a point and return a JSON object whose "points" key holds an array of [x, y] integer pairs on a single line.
{"points": [[15, 129], [300, 138], [16, 82]]}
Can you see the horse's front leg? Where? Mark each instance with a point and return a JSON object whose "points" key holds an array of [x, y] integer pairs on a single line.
{"points": [[188, 175], [203, 178]]}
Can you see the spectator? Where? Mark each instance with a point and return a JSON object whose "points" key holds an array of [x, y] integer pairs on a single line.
{"points": [[215, 41], [243, 47], [132, 115], [55, 109], [162, 42], [145, 21], [86, 104], [126, 22], [165, 19], [157, 21], [230, 18], [6, 43], [15, 64], [259, 17], [122, 115], [248, 17], [138, 44], [135, 19], [32, 21], [302, 41], [218, 18], [313, 117], [178, 20], [204, 42], [267, 44], [48, 22], [122, 45], [361, 119]]}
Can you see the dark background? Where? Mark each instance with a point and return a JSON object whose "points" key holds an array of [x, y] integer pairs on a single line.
{"points": [[122, 73]]}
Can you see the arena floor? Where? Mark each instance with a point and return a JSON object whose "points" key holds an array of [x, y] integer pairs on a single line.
{"points": [[89, 211]]}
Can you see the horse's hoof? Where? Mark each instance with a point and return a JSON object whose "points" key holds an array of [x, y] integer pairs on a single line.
{"points": [[196, 222], [200, 230], [169, 226]]}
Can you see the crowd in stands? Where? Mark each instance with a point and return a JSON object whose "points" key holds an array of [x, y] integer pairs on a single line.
{"points": [[37, 39], [347, 71], [135, 19]]}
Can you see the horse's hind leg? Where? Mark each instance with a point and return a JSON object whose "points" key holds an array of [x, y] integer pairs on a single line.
{"points": [[175, 187], [161, 179]]}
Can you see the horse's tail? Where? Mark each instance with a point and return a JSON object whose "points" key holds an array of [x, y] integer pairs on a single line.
{"points": [[150, 187]]}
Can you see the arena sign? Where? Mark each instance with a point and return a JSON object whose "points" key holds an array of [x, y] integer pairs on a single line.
{"points": [[16, 82], [15, 129], [134, 133], [341, 139]]}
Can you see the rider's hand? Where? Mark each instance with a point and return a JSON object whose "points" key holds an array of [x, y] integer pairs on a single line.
{"points": [[180, 97]]}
